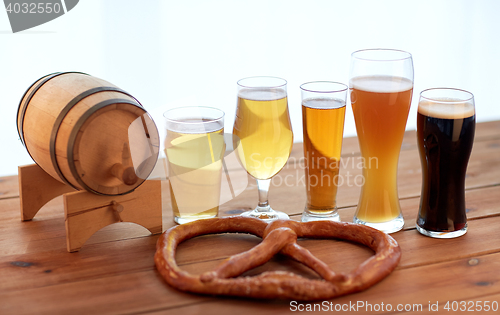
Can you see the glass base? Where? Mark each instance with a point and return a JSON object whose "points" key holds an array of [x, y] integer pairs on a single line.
{"points": [[387, 227], [308, 216], [437, 234], [269, 215], [180, 220]]}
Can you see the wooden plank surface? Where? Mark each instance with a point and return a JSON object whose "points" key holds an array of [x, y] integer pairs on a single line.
{"points": [[114, 272]]}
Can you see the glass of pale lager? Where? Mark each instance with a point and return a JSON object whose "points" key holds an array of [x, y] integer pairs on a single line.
{"points": [[264, 132], [194, 147], [446, 122], [323, 113], [381, 86]]}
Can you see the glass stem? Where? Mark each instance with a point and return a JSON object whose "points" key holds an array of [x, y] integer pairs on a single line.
{"points": [[263, 186]]}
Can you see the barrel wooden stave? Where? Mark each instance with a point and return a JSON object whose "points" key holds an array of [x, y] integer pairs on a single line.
{"points": [[99, 143]]}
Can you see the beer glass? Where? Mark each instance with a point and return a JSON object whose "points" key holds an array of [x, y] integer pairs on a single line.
{"points": [[264, 132], [446, 123], [323, 114], [381, 86], [194, 147]]}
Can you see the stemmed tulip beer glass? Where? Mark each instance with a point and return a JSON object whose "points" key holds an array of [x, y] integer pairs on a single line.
{"points": [[381, 86], [263, 131]]}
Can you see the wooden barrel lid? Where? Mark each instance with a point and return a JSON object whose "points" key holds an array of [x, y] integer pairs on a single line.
{"points": [[98, 140]]}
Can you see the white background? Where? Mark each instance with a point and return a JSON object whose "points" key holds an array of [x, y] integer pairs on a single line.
{"points": [[192, 52]]}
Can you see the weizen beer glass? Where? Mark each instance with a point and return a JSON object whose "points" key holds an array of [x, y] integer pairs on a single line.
{"points": [[194, 147], [323, 114], [263, 129], [381, 85], [446, 123]]}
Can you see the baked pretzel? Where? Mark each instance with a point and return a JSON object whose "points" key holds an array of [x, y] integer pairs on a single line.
{"points": [[278, 236]]}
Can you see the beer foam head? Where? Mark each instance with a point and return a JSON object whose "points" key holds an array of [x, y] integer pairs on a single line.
{"points": [[323, 103], [194, 119], [381, 84], [262, 94], [446, 108], [195, 126]]}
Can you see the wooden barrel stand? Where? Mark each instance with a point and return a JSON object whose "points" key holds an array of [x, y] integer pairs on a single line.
{"points": [[84, 212]]}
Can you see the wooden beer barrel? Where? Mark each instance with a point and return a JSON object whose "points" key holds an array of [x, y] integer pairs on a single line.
{"points": [[88, 133]]}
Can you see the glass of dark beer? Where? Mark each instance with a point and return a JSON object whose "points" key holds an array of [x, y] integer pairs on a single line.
{"points": [[446, 123]]}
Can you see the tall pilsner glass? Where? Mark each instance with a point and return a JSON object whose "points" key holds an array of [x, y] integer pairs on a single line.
{"points": [[263, 129], [381, 86], [323, 114]]}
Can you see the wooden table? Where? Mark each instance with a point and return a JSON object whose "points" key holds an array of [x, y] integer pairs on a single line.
{"points": [[114, 272]]}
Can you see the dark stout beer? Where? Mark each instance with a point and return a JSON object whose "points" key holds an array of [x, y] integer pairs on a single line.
{"points": [[445, 133]]}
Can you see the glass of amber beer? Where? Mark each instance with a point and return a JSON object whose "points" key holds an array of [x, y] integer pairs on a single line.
{"points": [[323, 114], [194, 147], [446, 123], [264, 132], [381, 86]]}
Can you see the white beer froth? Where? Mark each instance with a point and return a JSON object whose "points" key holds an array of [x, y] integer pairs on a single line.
{"points": [[323, 103], [262, 94], [381, 84], [195, 126], [446, 108]]}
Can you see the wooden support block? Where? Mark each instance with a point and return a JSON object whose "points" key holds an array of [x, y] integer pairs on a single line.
{"points": [[36, 188], [86, 213]]}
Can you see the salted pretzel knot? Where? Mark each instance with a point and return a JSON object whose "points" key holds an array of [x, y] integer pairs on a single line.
{"points": [[277, 237]]}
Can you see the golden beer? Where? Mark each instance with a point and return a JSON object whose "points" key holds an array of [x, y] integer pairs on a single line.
{"points": [[194, 169], [380, 105], [263, 127], [323, 125]]}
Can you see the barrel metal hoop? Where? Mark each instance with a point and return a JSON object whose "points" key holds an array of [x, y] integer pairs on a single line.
{"points": [[74, 133], [21, 109], [62, 115]]}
